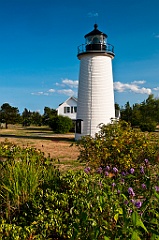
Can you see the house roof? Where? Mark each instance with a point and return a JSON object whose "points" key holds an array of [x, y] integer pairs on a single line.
{"points": [[72, 97]]}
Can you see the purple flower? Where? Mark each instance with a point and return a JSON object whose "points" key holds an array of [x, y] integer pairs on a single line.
{"points": [[146, 161], [132, 170], [123, 173], [133, 201], [143, 185], [106, 173], [87, 170], [113, 184], [131, 191], [142, 169], [130, 211], [107, 168], [122, 181], [115, 170], [138, 204], [157, 188], [126, 202], [99, 170], [118, 192]]}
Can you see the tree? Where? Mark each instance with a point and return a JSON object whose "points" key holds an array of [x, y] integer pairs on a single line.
{"points": [[145, 115], [36, 118], [136, 115], [117, 107], [26, 117], [9, 114], [126, 114], [48, 114]]}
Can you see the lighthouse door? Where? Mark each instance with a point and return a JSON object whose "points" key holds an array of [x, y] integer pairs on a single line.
{"points": [[79, 126]]}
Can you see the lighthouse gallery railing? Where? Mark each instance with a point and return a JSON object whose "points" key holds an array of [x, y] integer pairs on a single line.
{"points": [[107, 48]]}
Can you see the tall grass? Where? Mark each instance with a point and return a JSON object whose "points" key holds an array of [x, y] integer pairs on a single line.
{"points": [[23, 171]]}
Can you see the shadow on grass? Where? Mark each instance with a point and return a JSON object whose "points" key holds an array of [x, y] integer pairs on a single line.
{"points": [[45, 129], [53, 138]]}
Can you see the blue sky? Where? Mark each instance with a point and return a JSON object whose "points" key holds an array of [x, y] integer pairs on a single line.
{"points": [[39, 40]]}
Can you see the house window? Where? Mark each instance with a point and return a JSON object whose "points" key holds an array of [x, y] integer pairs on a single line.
{"points": [[71, 109], [75, 109], [66, 109]]}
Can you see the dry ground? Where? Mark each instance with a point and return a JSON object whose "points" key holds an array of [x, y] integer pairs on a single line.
{"points": [[56, 145]]}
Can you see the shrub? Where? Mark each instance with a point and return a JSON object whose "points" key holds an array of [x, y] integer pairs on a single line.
{"points": [[37, 202], [118, 144], [148, 126], [60, 124]]}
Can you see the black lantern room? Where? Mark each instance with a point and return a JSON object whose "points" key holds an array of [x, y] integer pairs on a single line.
{"points": [[96, 41]]}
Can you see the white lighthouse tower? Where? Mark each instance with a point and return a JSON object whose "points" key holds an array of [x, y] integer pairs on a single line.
{"points": [[95, 92]]}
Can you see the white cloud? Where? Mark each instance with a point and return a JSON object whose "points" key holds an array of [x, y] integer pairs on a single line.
{"points": [[51, 90], [38, 93], [139, 82], [132, 87], [92, 14], [68, 92], [59, 84], [70, 83], [156, 89]]}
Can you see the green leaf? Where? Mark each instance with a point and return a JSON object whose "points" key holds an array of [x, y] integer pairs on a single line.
{"points": [[124, 196], [157, 195], [106, 238], [137, 221], [135, 236], [100, 208], [120, 210], [140, 223], [116, 217], [135, 218]]}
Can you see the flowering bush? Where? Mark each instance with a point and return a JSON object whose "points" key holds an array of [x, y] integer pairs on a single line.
{"points": [[119, 145], [103, 203]]}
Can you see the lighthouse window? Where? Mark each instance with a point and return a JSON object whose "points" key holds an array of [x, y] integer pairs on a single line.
{"points": [[88, 40], [95, 40]]}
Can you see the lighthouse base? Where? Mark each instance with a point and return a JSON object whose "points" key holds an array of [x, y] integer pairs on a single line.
{"points": [[79, 133]]}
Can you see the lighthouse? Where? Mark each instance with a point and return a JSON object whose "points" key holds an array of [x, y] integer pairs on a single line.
{"points": [[95, 91]]}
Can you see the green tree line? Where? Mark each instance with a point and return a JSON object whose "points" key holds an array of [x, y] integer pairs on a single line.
{"points": [[144, 115], [11, 115]]}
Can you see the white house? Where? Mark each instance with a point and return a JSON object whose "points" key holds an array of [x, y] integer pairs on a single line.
{"points": [[68, 108]]}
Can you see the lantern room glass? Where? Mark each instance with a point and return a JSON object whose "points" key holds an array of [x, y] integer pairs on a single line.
{"points": [[96, 39]]}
